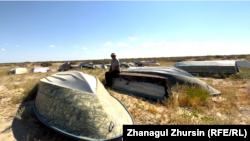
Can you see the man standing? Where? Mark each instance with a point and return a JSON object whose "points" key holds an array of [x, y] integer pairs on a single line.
{"points": [[113, 70]]}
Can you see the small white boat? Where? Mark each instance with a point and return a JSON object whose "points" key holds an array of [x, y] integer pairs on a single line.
{"points": [[19, 71]]}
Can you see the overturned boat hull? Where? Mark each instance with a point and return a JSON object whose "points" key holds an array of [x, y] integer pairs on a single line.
{"points": [[174, 75], [19, 71], [144, 85], [205, 68], [78, 105]]}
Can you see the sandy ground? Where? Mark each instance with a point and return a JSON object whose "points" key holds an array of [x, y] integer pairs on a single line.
{"points": [[28, 128]]}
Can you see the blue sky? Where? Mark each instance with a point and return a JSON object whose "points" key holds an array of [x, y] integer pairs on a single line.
{"points": [[80, 30]]}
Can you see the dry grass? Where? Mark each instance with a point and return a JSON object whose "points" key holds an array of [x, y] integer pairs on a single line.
{"points": [[189, 105], [166, 64]]}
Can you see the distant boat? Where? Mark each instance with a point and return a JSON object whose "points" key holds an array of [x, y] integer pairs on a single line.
{"points": [[39, 69], [87, 65], [99, 66], [64, 67], [19, 71], [150, 63], [78, 105], [75, 67], [209, 67]]}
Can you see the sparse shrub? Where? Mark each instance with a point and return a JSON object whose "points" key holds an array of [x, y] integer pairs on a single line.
{"points": [[218, 56], [22, 65], [15, 86], [200, 59], [207, 119], [243, 74], [73, 63], [235, 76], [241, 56], [46, 64], [193, 97]]}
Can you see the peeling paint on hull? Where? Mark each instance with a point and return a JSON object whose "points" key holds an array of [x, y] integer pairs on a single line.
{"points": [[174, 75], [143, 85]]}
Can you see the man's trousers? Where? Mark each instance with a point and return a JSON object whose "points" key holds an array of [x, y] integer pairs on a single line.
{"points": [[109, 76]]}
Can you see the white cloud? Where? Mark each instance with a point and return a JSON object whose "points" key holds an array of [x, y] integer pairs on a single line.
{"points": [[151, 39], [76, 45], [132, 38], [52, 46], [74, 53], [84, 48], [105, 49], [164, 43], [88, 52], [122, 44], [17, 45], [108, 44], [60, 47], [3, 49]]}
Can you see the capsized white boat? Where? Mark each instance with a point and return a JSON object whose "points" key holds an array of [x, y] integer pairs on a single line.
{"points": [[19, 71], [39, 69]]}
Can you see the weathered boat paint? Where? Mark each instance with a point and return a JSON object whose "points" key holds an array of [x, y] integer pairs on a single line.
{"points": [[78, 105], [144, 85], [174, 75]]}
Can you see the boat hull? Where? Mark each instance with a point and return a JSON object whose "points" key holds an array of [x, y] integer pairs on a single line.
{"points": [[80, 114], [151, 86]]}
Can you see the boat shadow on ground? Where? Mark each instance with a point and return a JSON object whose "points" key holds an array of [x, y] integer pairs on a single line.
{"points": [[142, 98], [26, 127]]}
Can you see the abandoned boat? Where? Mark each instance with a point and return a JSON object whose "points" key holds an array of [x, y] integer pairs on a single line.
{"points": [[75, 67], [156, 82], [64, 67], [125, 65], [150, 63], [19, 71], [100, 66], [241, 63], [87, 65], [39, 69], [78, 105], [209, 67]]}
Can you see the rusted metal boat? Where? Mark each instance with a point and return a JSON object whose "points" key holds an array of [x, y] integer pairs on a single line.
{"points": [[78, 105]]}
